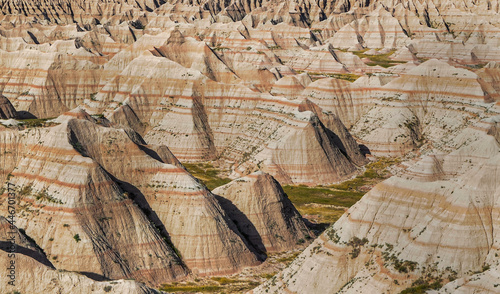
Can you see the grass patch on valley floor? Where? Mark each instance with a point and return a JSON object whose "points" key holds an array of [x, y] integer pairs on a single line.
{"points": [[288, 259], [211, 285], [339, 76], [325, 203], [321, 205], [172, 288], [382, 60], [375, 172], [328, 203], [207, 174], [36, 122], [300, 195], [326, 215]]}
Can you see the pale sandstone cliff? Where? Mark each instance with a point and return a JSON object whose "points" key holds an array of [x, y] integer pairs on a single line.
{"points": [[434, 222]]}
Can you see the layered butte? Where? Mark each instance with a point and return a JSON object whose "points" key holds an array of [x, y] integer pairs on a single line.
{"points": [[99, 200], [102, 101], [235, 73], [434, 223], [82, 219], [241, 128], [263, 213]]}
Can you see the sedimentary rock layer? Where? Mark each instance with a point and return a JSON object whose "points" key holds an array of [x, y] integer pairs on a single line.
{"points": [[124, 204], [263, 213], [81, 218], [29, 271], [436, 222]]}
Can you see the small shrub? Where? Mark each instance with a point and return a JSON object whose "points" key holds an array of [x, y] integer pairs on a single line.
{"points": [[77, 238], [26, 190]]}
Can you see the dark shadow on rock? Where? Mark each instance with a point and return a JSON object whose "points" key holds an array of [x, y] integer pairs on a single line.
{"points": [[139, 198], [36, 255], [316, 228], [337, 141], [245, 227], [364, 149], [95, 277], [25, 115], [33, 38]]}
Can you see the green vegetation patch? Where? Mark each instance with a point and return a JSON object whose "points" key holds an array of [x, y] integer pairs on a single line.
{"points": [[327, 215], [422, 288], [348, 77], [212, 285], [267, 276], [300, 195], [380, 59], [288, 259], [224, 280], [191, 288], [375, 172], [36, 122], [344, 194], [339, 76], [207, 174]]}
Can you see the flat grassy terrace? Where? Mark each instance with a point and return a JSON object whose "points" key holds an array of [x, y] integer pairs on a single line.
{"points": [[207, 173], [380, 59], [327, 204]]}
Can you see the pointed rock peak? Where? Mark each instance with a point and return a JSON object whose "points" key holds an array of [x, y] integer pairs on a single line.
{"points": [[10, 236], [244, 31], [263, 213], [125, 116], [176, 38], [259, 173], [6, 108], [9, 231], [304, 79], [77, 113]]}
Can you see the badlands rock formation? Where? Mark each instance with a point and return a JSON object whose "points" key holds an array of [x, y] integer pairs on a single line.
{"points": [[56, 57], [111, 96], [198, 227], [6, 108], [246, 130], [78, 214], [263, 213], [34, 273], [433, 223], [116, 193], [100, 201]]}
